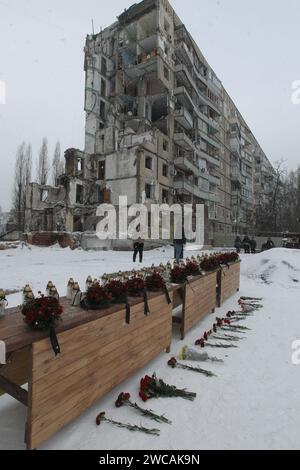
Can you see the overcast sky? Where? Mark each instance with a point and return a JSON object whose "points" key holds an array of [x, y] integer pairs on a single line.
{"points": [[252, 45]]}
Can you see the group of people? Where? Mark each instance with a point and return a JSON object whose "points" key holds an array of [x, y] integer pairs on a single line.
{"points": [[250, 245], [138, 249]]}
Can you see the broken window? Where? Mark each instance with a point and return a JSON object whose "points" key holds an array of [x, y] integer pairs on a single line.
{"points": [[79, 167], [44, 195], [101, 171], [79, 194], [165, 196], [166, 73], [103, 66], [148, 163], [149, 191], [166, 145], [165, 170], [102, 110], [103, 88]]}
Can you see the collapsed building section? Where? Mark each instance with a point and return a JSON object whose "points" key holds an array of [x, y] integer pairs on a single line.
{"points": [[160, 128]]}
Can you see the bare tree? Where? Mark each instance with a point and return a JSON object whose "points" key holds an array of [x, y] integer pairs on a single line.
{"points": [[56, 164], [43, 163], [19, 185], [28, 164]]}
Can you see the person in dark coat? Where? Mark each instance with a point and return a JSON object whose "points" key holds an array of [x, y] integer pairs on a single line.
{"points": [[138, 248], [179, 247], [270, 244], [238, 244], [253, 246], [247, 244]]}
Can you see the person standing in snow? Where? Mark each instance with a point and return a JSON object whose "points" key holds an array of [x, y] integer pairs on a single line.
{"points": [[138, 248], [238, 244], [247, 244], [179, 247], [253, 246]]}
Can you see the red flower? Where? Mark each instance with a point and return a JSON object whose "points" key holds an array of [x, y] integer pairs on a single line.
{"points": [[143, 396]]}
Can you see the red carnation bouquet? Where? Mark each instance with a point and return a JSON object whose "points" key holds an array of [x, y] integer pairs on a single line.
{"points": [[42, 313], [226, 258], [210, 263], [124, 400], [97, 297], [118, 290], [152, 387], [155, 282], [136, 286], [192, 268], [178, 275]]}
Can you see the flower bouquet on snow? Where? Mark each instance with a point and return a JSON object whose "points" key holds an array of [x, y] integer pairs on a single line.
{"points": [[152, 387], [101, 418], [124, 400], [178, 275], [174, 364], [44, 313], [97, 297], [137, 288], [155, 283], [190, 354]]}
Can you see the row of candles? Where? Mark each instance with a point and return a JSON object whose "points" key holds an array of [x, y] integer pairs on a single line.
{"points": [[74, 293]]}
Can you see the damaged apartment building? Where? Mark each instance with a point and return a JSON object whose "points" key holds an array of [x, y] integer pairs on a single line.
{"points": [[160, 128]]}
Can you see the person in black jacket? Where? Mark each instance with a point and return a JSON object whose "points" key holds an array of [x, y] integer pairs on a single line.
{"points": [[238, 244], [138, 248], [253, 246], [247, 244]]}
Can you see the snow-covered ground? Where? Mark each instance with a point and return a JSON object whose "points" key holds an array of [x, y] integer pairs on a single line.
{"points": [[253, 403]]}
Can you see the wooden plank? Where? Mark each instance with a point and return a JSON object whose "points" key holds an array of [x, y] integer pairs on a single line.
{"points": [[62, 388], [110, 351], [93, 335], [200, 300], [14, 390], [17, 335], [46, 426], [17, 367]]}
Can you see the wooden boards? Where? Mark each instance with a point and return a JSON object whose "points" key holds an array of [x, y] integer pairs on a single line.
{"points": [[228, 282], [200, 299], [96, 357]]}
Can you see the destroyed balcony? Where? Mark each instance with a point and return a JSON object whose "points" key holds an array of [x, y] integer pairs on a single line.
{"points": [[184, 118], [210, 139], [183, 53], [214, 180], [212, 123], [184, 186], [187, 164], [235, 146], [184, 141], [212, 159], [184, 97]]}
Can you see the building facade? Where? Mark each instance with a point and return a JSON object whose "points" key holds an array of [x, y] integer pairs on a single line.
{"points": [[160, 128]]}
